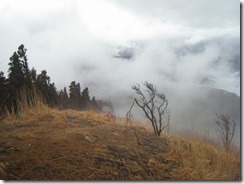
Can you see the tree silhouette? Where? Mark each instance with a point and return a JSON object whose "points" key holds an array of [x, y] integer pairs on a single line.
{"points": [[75, 95], [85, 98], [47, 89], [226, 128], [154, 105], [19, 77], [19, 74], [63, 99], [3, 93], [22, 83], [33, 75]]}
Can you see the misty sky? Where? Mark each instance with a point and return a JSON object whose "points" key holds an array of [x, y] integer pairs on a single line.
{"points": [[108, 45]]}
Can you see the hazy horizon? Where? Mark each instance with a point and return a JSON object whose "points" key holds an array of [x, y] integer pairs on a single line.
{"points": [[109, 45]]}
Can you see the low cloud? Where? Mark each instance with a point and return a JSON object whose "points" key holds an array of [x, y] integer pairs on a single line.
{"points": [[108, 46]]}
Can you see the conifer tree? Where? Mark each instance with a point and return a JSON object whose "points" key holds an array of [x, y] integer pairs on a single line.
{"points": [[3, 93], [85, 98], [47, 89], [63, 99], [75, 95], [18, 77]]}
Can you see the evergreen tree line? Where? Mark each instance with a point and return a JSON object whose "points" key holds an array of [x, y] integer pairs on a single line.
{"points": [[21, 77]]}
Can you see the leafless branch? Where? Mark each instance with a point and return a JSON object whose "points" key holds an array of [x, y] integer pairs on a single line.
{"points": [[129, 121], [154, 105], [226, 128]]}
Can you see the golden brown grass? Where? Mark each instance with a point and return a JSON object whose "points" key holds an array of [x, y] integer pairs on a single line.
{"points": [[198, 160], [28, 102], [45, 143], [32, 108]]}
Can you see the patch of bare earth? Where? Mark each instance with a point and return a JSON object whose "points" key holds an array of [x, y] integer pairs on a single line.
{"points": [[73, 146]]}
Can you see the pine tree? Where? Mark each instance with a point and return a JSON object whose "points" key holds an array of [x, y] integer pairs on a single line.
{"points": [[18, 78], [75, 95], [63, 99], [33, 75], [85, 98], [52, 95], [47, 89], [19, 74], [94, 104], [3, 93]]}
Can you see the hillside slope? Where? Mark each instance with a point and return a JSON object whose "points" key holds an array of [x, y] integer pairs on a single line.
{"points": [[194, 108], [71, 145]]}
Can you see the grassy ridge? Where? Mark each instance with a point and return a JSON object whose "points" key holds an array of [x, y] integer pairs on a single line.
{"points": [[44, 143]]}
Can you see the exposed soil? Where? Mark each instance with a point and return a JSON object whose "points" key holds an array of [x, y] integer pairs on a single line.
{"points": [[77, 148]]}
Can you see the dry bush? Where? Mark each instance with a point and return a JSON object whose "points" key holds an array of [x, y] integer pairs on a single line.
{"points": [[226, 128], [154, 105]]}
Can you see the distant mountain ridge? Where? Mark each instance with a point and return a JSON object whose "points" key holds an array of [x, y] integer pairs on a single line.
{"points": [[200, 108], [194, 108]]}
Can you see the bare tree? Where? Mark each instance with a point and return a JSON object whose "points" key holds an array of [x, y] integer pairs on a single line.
{"points": [[154, 106], [226, 127]]}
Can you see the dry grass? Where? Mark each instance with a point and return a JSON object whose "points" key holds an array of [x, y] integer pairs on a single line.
{"points": [[198, 160], [88, 116], [28, 103], [48, 144], [53, 145]]}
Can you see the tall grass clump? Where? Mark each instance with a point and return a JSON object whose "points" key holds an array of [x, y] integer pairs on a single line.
{"points": [[27, 101], [201, 159]]}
